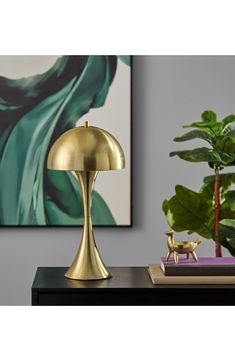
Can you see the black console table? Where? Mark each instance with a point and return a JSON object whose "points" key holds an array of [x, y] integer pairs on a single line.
{"points": [[128, 286]]}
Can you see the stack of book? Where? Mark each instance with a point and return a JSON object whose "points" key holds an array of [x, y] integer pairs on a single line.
{"points": [[208, 270]]}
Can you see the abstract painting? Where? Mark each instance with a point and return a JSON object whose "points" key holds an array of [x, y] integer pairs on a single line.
{"points": [[41, 97]]}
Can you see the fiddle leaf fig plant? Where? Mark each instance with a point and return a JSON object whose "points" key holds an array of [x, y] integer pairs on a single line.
{"points": [[189, 211], [211, 211]]}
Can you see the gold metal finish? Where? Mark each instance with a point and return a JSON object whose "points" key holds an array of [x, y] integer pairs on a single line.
{"points": [[86, 150], [86, 124], [177, 248], [88, 264]]}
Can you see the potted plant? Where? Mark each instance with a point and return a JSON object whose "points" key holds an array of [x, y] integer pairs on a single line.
{"points": [[210, 212]]}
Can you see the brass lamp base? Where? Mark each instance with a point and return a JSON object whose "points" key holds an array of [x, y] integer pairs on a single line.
{"points": [[88, 264]]}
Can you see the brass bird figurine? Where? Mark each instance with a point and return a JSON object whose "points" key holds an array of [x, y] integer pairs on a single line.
{"points": [[187, 247]]}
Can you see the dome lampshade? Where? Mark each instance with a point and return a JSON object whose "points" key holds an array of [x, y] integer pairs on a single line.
{"points": [[86, 148]]}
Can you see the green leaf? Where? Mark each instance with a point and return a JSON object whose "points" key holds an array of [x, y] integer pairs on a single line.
{"points": [[212, 128], [188, 211], [209, 116], [229, 146], [217, 129], [204, 155], [201, 125], [227, 229], [228, 120], [226, 212], [207, 189], [229, 244], [230, 132], [225, 143], [194, 134], [230, 199], [227, 226], [227, 179]]}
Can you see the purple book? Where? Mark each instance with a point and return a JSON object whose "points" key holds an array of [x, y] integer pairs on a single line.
{"points": [[206, 266]]}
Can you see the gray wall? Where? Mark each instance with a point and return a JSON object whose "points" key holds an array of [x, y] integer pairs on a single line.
{"points": [[167, 93]]}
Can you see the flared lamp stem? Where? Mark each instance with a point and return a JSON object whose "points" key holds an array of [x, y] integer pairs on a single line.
{"points": [[88, 264]]}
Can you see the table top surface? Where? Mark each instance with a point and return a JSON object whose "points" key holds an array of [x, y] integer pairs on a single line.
{"points": [[122, 278]]}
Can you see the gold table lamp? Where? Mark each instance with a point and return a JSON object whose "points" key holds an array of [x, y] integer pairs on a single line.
{"points": [[86, 150]]}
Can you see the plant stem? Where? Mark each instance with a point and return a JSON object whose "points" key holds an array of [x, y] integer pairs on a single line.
{"points": [[218, 248]]}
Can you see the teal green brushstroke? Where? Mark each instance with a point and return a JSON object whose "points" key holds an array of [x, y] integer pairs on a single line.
{"points": [[126, 59], [34, 111]]}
